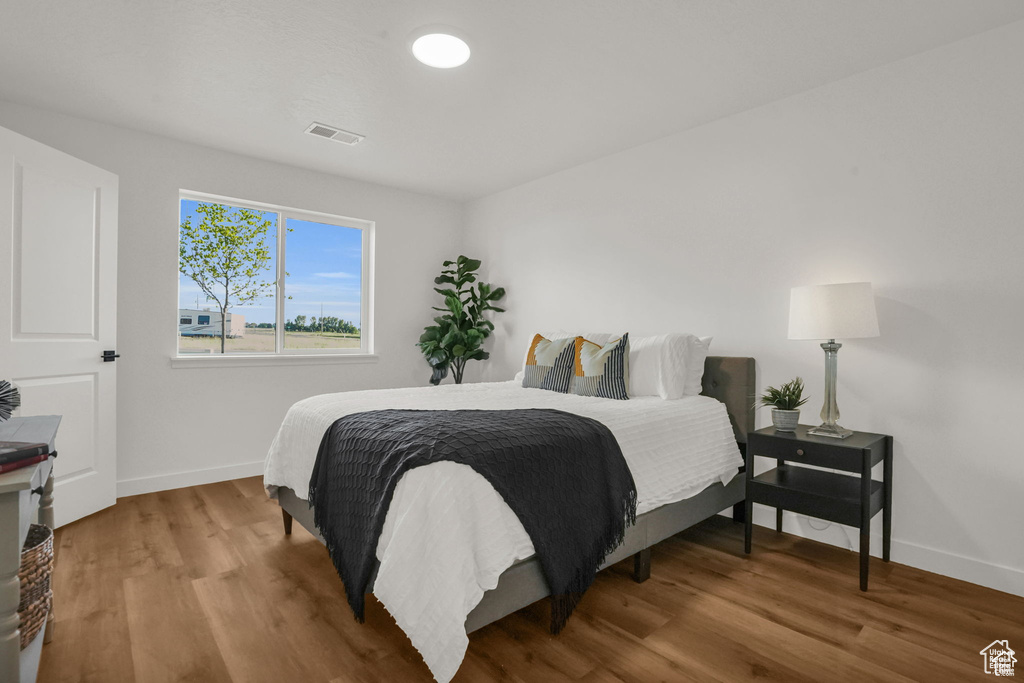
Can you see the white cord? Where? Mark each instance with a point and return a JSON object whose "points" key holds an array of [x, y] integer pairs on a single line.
{"points": [[810, 523], [849, 541]]}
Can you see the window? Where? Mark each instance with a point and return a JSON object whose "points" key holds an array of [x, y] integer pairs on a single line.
{"points": [[267, 280]]}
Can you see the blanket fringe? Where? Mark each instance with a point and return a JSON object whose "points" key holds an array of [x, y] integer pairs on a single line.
{"points": [[562, 607], [356, 601], [563, 604]]}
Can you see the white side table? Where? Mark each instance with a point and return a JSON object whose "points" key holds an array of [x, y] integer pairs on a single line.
{"points": [[25, 495]]}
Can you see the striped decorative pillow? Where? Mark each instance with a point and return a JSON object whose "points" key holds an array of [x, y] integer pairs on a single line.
{"points": [[549, 364], [602, 371]]}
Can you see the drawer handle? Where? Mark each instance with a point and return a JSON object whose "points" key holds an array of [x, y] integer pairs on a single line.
{"points": [[799, 451], [39, 490]]}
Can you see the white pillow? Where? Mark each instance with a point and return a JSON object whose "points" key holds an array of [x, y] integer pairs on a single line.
{"points": [[657, 366], [696, 355], [667, 365]]}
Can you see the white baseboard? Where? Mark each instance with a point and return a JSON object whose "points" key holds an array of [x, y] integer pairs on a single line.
{"points": [[177, 480], [988, 574]]}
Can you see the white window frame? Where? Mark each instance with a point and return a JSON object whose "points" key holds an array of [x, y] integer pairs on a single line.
{"points": [[282, 355]]}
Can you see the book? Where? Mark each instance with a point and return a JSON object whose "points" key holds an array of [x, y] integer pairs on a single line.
{"points": [[25, 462], [19, 450]]}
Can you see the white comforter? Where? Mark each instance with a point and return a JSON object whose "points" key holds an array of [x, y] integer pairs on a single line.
{"points": [[448, 535]]}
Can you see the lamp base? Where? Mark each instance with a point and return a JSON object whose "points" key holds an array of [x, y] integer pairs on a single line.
{"points": [[834, 431]]}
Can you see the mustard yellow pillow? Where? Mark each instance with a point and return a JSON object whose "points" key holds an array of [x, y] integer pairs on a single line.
{"points": [[549, 364], [601, 371]]}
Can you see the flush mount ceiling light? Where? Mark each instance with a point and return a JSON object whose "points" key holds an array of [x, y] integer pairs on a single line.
{"points": [[440, 50]]}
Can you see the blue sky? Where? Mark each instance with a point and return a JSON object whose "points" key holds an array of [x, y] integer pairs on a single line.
{"points": [[324, 263]]}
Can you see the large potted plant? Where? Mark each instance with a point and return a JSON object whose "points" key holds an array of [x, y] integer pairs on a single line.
{"points": [[457, 335], [785, 402]]}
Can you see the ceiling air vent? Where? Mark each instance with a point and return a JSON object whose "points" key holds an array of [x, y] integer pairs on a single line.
{"points": [[322, 130]]}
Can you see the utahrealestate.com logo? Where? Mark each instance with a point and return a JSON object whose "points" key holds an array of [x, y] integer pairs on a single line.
{"points": [[999, 659]]}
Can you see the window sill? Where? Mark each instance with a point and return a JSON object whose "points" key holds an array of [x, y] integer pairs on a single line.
{"points": [[218, 361]]}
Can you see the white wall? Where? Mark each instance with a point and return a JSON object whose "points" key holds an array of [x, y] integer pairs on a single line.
{"points": [[909, 176], [184, 426]]}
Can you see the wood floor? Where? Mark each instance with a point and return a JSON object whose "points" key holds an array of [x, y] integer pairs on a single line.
{"points": [[200, 584]]}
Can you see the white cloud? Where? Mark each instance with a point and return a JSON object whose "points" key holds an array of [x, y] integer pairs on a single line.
{"points": [[324, 290], [339, 275]]}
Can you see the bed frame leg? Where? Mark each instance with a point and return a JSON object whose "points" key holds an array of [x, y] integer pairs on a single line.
{"points": [[642, 565], [287, 522], [739, 512]]}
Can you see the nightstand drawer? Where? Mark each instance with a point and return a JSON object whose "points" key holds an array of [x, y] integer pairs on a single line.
{"points": [[826, 495], [836, 454], [28, 500]]}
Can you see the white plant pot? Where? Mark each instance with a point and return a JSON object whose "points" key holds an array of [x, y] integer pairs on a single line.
{"points": [[785, 420]]}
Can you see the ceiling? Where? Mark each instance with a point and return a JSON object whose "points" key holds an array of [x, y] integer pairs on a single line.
{"points": [[549, 85]]}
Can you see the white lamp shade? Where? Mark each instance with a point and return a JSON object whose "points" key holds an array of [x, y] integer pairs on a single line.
{"points": [[843, 311]]}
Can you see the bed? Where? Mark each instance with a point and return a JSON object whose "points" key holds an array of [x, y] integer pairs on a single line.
{"points": [[437, 592]]}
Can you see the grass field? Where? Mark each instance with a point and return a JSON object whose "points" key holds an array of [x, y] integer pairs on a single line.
{"points": [[262, 341]]}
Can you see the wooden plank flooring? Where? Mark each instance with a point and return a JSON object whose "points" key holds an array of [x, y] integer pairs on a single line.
{"points": [[201, 584]]}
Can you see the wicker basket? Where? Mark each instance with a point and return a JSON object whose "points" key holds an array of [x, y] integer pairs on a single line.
{"points": [[36, 568]]}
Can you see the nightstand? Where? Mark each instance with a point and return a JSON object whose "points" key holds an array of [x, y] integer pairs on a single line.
{"points": [[25, 495], [840, 498]]}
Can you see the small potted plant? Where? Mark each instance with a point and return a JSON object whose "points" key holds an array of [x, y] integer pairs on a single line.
{"points": [[785, 402]]}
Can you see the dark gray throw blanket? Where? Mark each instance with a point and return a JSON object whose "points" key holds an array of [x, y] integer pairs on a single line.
{"points": [[562, 474]]}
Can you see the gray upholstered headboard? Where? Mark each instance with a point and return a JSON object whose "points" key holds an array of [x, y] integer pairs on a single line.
{"points": [[733, 382]]}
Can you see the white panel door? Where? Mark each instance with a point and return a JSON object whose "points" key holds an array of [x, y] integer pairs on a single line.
{"points": [[58, 305]]}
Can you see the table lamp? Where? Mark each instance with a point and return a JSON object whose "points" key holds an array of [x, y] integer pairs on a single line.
{"points": [[830, 312]]}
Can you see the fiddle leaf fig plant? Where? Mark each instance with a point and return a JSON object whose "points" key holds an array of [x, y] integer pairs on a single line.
{"points": [[458, 334]]}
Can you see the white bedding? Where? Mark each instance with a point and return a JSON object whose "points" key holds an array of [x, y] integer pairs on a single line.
{"points": [[448, 535]]}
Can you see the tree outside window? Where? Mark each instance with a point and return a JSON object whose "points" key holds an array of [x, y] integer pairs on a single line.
{"points": [[244, 298]]}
